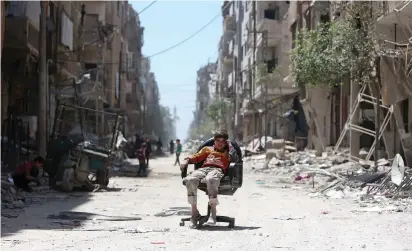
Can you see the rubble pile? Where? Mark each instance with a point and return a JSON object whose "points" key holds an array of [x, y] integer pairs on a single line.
{"points": [[334, 176], [15, 199]]}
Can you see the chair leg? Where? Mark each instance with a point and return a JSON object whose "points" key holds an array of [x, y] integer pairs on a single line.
{"points": [[226, 219], [202, 219]]}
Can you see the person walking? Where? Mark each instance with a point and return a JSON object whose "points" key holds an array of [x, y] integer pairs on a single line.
{"points": [[178, 151], [172, 146], [148, 151]]}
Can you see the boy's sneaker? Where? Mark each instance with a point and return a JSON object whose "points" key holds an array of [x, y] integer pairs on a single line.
{"points": [[211, 222]]}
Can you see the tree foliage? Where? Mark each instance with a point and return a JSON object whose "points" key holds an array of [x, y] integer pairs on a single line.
{"points": [[216, 110], [335, 51], [204, 131], [266, 75]]}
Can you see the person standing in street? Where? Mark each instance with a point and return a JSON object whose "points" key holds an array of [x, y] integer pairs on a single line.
{"points": [[148, 151], [172, 146], [137, 143], [178, 151], [141, 155], [159, 145]]}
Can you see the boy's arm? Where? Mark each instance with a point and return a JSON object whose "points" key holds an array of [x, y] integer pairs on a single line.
{"points": [[199, 156]]}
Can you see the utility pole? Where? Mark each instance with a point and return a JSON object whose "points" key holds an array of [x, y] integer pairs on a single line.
{"points": [[377, 120], [264, 46], [252, 84], [238, 69], [42, 109]]}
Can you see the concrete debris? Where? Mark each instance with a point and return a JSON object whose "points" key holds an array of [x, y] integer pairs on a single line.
{"points": [[333, 176], [13, 199]]}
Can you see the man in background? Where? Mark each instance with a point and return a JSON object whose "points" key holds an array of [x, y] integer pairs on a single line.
{"points": [[148, 151], [141, 156], [159, 145], [178, 151], [172, 146]]}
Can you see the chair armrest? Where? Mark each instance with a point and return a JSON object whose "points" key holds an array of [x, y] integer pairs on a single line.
{"points": [[183, 173], [231, 171]]}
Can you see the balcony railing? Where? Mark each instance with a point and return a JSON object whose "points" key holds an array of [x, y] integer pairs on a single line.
{"points": [[91, 28], [20, 33], [273, 29], [229, 24]]}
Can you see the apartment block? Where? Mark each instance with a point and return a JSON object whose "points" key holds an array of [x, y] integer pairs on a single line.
{"points": [[20, 56], [203, 98], [134, 96], [102, 39], [255, 35]]}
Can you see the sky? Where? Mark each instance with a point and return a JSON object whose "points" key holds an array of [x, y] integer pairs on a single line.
{"points": [[167, 23]]}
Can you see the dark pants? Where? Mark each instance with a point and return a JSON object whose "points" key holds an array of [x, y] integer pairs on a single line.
{"points": [[177, 158], [21, 182], [147, 159], [142, 168]]}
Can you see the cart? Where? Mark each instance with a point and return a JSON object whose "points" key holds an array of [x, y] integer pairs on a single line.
{"points": [[78, 156]]}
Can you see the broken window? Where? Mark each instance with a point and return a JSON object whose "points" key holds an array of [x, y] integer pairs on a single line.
{"points": [[325, 18], [294, 30], [66, 28], [272, 13], [131, 59], [93, 72], [16, 9], [272, 64]]}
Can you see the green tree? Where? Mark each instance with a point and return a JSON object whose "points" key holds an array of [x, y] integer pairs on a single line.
{"points": [[335, 51]]}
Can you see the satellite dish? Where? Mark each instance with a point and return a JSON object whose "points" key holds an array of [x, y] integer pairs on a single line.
{"points": [[398, 170]]}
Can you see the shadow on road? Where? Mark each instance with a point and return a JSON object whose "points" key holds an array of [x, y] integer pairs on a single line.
{"points": [[225, 228], [82, 216], [34, 216]]}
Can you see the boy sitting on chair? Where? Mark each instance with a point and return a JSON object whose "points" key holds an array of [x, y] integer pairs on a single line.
{"points": [[215, 165]]}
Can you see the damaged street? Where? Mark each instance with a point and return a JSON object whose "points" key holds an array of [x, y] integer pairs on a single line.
{"points": [[272, 211]]}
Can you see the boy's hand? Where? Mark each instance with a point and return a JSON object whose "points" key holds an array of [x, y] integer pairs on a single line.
{"points": [[184, 165]]}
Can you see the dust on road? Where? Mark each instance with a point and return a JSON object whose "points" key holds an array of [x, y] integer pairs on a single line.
{"points": [[144, 214]]}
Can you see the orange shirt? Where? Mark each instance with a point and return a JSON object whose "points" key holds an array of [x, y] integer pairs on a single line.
{"points": [[211, 158]]}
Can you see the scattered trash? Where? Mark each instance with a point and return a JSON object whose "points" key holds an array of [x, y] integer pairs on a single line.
{"points": [[260, 182], [398, 170], [143, 231], [288, 218], [157, 242], [174, 211]]}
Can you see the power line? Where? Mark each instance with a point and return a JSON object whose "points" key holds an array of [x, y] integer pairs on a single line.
{"points": [[107, 35], [171, 47], [191, 36]]}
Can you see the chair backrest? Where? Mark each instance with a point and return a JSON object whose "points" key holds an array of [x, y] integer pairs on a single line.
{"points": [[210, 142]]}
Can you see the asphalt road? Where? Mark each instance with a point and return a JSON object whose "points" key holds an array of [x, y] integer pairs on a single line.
{"points": [[129, 217]]}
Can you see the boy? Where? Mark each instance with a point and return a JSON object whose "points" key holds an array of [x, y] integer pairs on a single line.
{"points": [[28, 172], [141, 156]]}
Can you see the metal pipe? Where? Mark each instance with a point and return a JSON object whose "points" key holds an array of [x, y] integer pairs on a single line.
{"points": [[42, 109]]}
